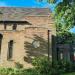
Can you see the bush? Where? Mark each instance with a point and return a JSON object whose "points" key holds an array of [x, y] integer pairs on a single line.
{"points": [[45, 67], [58, 68], [42, 65], [68, 67], [64, 67], [73, 65]]}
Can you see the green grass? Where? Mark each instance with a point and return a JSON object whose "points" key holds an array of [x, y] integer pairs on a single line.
{"points": [[70, 73]]}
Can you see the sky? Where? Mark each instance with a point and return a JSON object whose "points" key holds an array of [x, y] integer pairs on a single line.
{"points": [[27, 3], [30, 3]]}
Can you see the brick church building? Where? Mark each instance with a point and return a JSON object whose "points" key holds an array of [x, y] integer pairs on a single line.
{"points": [[24, 34]]}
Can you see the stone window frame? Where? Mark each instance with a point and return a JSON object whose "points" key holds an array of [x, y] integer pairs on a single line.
{"points": [[10, 50], [5, 26]]}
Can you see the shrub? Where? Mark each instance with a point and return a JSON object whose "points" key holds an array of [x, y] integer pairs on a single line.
{"points": [[68, 67], [42, 65], [64, 66], [45, 67], [73, 67], [58, 68]]}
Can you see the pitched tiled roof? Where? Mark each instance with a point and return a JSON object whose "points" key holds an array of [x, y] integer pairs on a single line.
{"points": [[17, 14]]}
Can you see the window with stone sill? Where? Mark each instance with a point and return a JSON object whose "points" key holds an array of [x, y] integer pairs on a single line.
{"points": [[5, 26], [10, 50]]}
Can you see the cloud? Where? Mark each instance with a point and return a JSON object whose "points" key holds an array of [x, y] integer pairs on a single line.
{"points": [[3, 4]]}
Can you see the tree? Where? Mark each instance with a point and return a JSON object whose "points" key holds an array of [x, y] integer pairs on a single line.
{"points": [[64, 18], [49, 1]]}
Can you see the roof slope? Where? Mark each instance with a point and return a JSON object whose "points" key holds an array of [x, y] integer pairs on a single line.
{"points": [[17, 14]]}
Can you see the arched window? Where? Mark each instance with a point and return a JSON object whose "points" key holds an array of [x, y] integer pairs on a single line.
{"points": [[10, 49], [1, 36], [14, 26]]}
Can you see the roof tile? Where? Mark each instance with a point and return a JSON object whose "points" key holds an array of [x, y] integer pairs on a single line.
{"points": [[18, 13]]}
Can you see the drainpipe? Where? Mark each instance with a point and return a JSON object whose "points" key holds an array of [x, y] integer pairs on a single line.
{"points": [[48, 44]]}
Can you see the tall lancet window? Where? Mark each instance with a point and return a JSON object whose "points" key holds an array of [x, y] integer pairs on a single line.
{"points": [[1, 36], [10, 50], [5, 26], [14, 26]]}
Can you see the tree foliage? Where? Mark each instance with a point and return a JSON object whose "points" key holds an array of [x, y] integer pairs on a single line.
{"points": [[64, 19], [49, 1]]}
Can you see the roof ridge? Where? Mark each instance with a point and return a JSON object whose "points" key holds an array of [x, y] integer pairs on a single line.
{"points": [[26, 7]]}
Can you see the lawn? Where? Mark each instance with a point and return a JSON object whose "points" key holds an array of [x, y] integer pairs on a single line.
{"points": [[70, 73]]}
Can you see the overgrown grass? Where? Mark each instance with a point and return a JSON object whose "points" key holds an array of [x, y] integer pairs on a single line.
{"points": [[11, 71]]}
